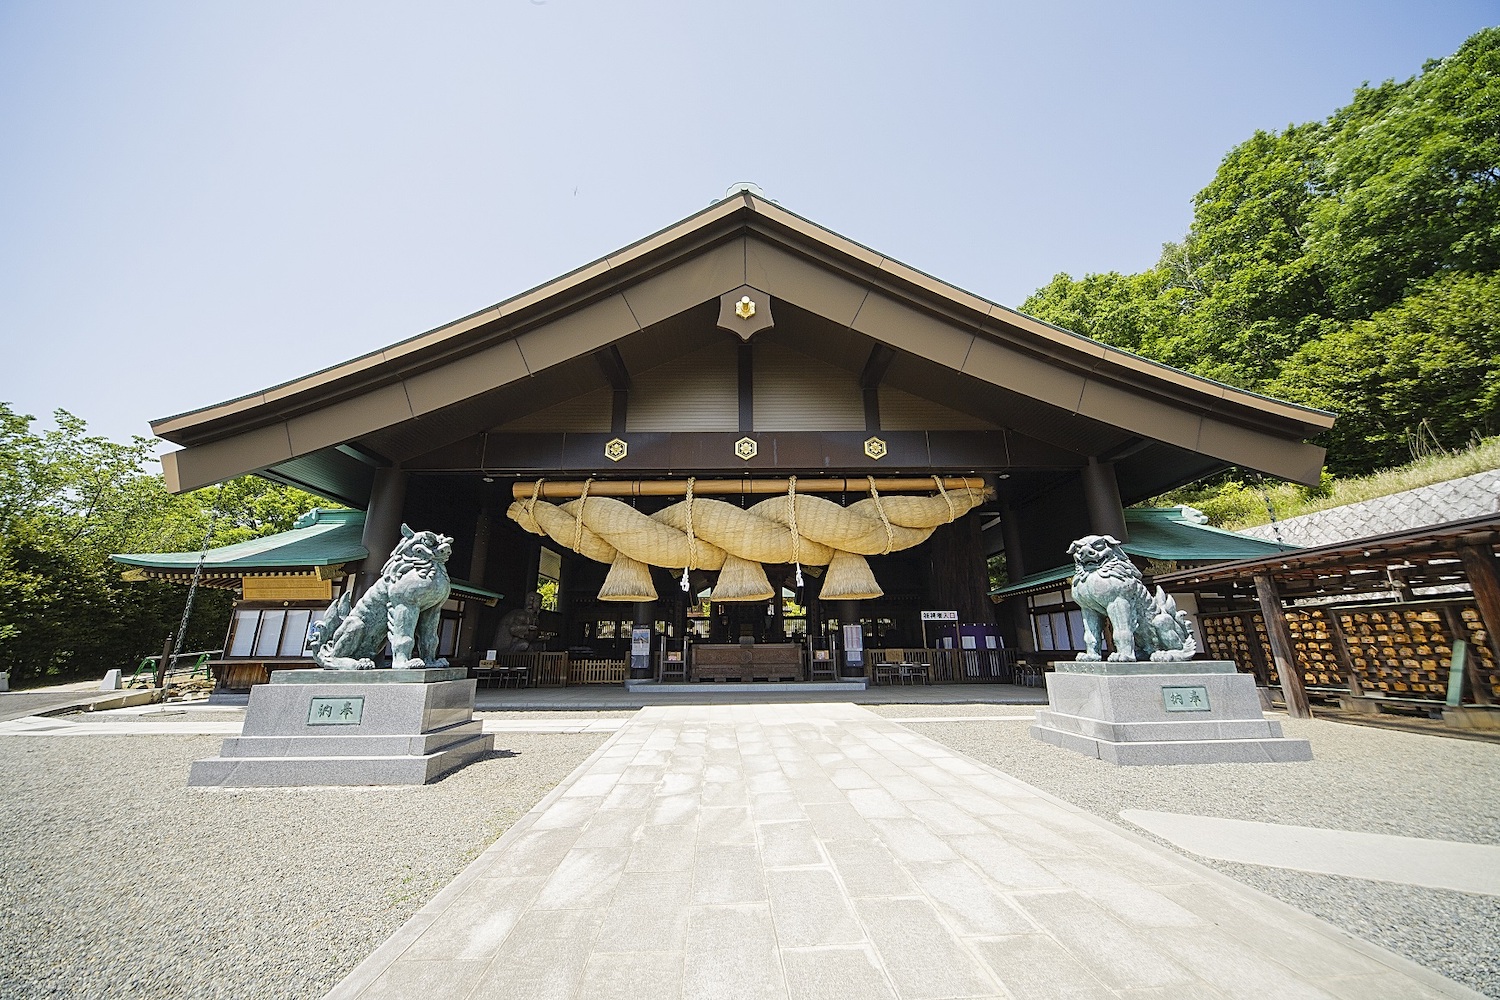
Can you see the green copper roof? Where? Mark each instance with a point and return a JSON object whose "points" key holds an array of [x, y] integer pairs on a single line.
{"points": [[1167, 534], [320, 538]]}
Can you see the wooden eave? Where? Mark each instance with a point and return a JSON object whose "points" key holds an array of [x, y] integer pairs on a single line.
{"points": [[909, 310]]}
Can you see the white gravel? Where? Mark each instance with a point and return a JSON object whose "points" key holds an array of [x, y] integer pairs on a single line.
{"points": [[1361, 778], [117, 880]]}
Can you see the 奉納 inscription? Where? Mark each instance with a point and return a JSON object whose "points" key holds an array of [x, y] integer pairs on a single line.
{"points": [[1185, 699], [335, 711]]}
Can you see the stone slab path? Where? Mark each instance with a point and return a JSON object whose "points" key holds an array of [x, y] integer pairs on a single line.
{"points": [[813, 852], [1438, 864]]}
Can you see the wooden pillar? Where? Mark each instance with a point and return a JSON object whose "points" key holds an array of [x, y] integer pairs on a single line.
{"points": [[1281, 647], [1483, 571], [1475, 683], [382, 525], [1101, 493], [1484, 579], [479, 557], [1010, 532]]}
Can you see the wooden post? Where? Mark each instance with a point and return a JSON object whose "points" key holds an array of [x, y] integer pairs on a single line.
{"points": [[1281, 647], [1101, 492], [474, 607], [382, 525], [166, 660], [1484, 579], [1478, 685]]}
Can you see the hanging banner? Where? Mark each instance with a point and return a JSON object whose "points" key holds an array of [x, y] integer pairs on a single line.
{"points": [[854, 644]]}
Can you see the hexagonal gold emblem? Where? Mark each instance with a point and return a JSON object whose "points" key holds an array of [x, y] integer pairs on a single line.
{"points": [[744, 308], [875, 448], [746, 448], [615, 450]]}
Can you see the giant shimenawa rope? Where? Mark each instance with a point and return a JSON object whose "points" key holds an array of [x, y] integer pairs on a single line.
{"points": [[713, 535]]}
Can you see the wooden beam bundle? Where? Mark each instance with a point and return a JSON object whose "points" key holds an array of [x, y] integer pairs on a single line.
{"points": [[563, 489]]}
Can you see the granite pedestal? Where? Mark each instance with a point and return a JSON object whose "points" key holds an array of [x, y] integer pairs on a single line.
{"points": [[1193, 712], [365, 727]]}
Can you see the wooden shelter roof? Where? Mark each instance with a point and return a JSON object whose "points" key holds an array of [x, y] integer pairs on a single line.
{"points": [[327, 430], [1416, 557]]}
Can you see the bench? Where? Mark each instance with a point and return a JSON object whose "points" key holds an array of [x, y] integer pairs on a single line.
{"points": [[146, 670]]}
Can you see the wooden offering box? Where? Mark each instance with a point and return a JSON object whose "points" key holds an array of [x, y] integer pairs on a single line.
{"points": [[746, 662]]}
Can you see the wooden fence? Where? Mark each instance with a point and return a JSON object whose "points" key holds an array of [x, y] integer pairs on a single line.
{"points": [[597, 671]]}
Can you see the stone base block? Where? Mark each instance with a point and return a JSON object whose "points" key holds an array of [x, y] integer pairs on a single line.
{"points": [[279, 771], [1195, 712], [375, 727], [1232, 751]]}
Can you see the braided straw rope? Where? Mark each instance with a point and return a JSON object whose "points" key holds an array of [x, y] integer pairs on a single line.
{"points": [[702, 533]]}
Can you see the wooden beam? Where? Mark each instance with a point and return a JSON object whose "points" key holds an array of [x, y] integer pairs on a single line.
{"points": [[1281, 647], [612, 364], [746, 368], [737, 487], [876, 364]]}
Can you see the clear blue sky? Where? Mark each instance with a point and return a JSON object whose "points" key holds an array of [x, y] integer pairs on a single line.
{"points": [[198, 200]]}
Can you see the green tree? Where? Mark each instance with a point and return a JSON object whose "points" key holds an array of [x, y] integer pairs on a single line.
{"points": [[1386, 214], [68, 500], [1429, 360]]}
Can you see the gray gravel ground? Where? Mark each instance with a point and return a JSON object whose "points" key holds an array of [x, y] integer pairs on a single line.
{"points": [[1361, 778], [117, 880]]}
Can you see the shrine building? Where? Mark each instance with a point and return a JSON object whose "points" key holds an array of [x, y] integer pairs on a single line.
{"points": [[743, 434]]}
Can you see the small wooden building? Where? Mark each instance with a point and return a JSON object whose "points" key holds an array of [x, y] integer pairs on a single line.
{"points": [[1406, 620], [283, 583], [745, 344]]}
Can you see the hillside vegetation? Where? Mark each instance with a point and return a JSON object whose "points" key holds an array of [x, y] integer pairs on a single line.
{"points": [[1351, 265], [1235, 504]]}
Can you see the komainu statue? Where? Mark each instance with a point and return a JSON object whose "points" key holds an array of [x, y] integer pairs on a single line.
{"points": [[1106, 584], [405, 606]]}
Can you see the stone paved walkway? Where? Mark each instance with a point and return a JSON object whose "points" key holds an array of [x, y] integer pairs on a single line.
{"points": [[820, 851]]}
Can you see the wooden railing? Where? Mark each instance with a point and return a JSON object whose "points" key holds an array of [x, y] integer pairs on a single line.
{"points": [[597, 671], [543, 669], [952, 666]]}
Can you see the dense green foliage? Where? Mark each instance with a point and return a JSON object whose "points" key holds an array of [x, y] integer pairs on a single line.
{"points": [[1351, 265], [68, 500]]}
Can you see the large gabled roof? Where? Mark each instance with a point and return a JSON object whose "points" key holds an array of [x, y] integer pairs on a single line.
{"points": [[429, 388]]}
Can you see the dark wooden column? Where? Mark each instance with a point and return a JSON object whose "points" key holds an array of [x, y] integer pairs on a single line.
{"points": [[1480, 566], [1281, 647], [382, 525], [479, 557], [1101, 492], [1010, 532]]}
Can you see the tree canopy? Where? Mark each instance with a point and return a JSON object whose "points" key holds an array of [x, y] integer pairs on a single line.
{"points": [[68, 500], [1351, 264]]}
